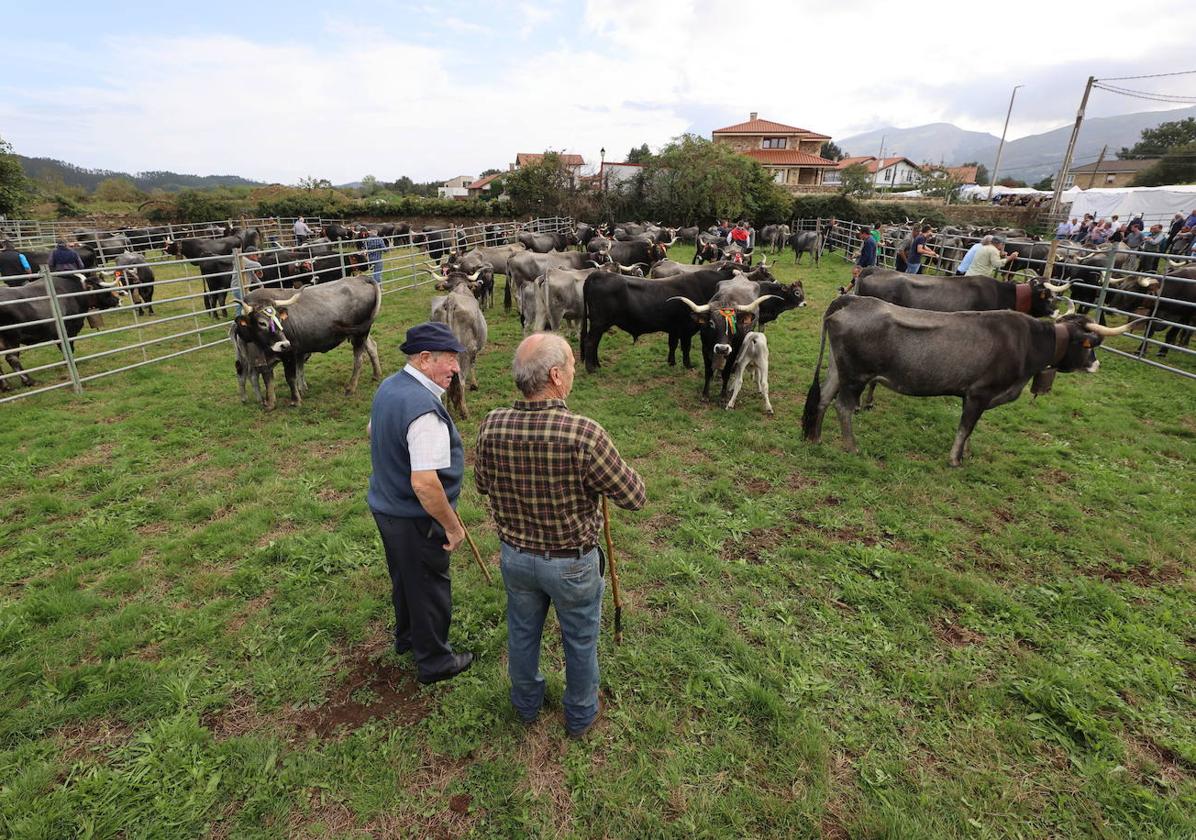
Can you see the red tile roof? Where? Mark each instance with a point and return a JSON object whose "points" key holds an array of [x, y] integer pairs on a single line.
{"points": [[872, 163], [481, 182], [788, 157], [769, 127], [569, 160]]}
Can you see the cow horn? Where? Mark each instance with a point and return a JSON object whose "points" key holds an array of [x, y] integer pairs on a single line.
{"points": [[754, 306], [698, 310], [1177, 263], [627, 267], [1057, 289], [764, 262], [1071, 310], [289, 301], [1147, 282], [246, 307], [473, 277], [1101, 329]]}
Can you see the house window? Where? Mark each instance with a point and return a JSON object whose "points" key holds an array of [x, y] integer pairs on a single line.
{"points": [[773, 143], [1109, 179], [888, 174], [778, 175], [1069, 181]]}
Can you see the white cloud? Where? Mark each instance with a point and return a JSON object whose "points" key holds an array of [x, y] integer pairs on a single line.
{"points": [[356, 99]]}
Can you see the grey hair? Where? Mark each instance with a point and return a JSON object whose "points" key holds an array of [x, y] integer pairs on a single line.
{"points": [[531, 372], [987, 240]]}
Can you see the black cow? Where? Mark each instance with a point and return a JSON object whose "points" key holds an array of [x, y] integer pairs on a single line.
{"points": [[439, 241], [311, 320], [1177, 304], [709, 247], [337, 232], [106, 244], [984, 357], [688, 234], [730, 314], [958, 294], [282, 269], [217, 273], [639, 306], [645, 253], [26, 317], [133, 272]]}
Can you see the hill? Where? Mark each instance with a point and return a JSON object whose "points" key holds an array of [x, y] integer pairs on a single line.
{"points": [[1028, 158], [76, 176]]}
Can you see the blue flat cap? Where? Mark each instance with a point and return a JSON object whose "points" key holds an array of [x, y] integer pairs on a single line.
{"points": [[432, 336]]}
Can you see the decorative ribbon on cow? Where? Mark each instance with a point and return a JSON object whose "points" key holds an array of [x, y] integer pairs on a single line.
{"points": [[728, 316]]}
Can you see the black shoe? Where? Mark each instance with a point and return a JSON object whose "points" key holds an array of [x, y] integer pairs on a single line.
{"points": [[461, 662]]}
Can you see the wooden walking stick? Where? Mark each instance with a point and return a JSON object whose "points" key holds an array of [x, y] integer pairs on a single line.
{"points": [[614, 573], [476, 554]]}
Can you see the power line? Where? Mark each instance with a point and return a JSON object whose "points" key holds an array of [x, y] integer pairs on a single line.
{"points": [[1151, 76], [1150, 96]]}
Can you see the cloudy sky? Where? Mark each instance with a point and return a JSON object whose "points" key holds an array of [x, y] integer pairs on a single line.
{"points": [[280, 91]]}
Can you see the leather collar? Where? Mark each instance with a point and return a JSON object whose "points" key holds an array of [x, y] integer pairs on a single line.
{"points": [[1022, 299], [1062, 339]]}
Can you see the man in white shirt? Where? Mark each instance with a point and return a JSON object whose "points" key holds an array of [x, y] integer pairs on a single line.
{"points": [[418, 464], [302, 231], [1065, 229]]}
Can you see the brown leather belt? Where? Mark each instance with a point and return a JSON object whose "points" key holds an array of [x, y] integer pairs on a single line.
{"points": [[557, 553]]}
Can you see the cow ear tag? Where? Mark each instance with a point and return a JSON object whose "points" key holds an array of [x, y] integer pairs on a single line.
{"points": [[282, 316], [1087, 344], [242, 321]]}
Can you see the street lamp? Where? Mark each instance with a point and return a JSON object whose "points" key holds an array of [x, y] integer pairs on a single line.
{"points": [[992, 181], [601, 167]]}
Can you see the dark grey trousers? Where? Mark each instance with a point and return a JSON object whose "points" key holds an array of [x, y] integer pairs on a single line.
{"points": [[420, 589]]}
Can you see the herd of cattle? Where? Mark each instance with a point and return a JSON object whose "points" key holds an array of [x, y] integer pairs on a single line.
{"points": [[978, 338]]}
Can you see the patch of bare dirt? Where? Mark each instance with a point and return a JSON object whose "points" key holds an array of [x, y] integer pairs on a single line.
{"points": [[1142, 574], [328, 494], [756, 486], [90, 739], [443, 817], [1160, 762], [101, 453], [1054, 476], [755, 547], [282, 528], [237, 622], [950, 633], [240, 716], [373, 689], [324, 817], [797, 481]]}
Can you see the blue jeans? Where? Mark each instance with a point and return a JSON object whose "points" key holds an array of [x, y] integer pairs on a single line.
{"points": [[913, 268], [574, 587], [376, 264]]}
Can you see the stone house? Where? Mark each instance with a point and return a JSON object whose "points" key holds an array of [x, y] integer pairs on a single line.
{"points": [[789, 153]]}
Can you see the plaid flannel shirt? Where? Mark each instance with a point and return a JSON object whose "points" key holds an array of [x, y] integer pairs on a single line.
{"points": [[543, 468]]}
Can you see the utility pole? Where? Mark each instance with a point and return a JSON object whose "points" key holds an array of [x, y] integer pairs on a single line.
{"points": [[1099, 161], [880, 161], [1001, 148], [1071, 147]]}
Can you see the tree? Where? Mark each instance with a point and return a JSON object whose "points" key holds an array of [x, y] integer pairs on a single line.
{"points": [[830, 151], [1161, 139], [938, 183], [856, 180], [543, 187], [1047, 183], [1010, 182], [693, 180], [488, 172], [118, 189], [1177, 166], [639, 154], [313, 183], [15, 189], [982, 176], [370, 185]]}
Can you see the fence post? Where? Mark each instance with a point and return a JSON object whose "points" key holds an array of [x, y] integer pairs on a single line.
{"points": [[1104, 280], [68, 353]]}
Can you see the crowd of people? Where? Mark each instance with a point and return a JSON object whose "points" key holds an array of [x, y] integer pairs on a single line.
{"points": [[1176, 238]]}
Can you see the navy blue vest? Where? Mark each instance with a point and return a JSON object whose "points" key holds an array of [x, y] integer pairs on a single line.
{"points": [[402, 399]]}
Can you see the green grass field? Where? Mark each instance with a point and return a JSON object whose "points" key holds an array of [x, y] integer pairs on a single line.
{"points": [[194, 618]]}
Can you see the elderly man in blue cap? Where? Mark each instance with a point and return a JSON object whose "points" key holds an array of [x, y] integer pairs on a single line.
{"points": [[418, 463]]}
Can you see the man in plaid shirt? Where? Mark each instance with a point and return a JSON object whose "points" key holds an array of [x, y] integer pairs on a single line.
{"points": [[544, 468]]}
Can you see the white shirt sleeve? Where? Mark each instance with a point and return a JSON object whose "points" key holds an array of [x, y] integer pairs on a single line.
{"points": [[428, 443]]}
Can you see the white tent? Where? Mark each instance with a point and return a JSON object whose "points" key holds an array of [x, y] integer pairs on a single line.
{"points": [[1155, 204]]}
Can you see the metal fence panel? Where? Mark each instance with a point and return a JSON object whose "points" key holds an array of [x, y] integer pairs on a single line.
{"points": [[184, 317]]}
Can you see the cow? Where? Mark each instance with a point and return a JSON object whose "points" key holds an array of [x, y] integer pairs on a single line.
{"points": [[957, 294], [481, 280], [133, 272], [558, 296], [729, 315], [775, 237], [525, 266], [639, 306], [688, 235], [1177, 304], [107, 245], [753, 354], [984, 357], [1087, 274], [459, 310], [438, 241], [26, 316], [634, 251], [217, 273], [494, 235], [709, 247], [806, 240], [669, 268], [313, 319], [337, 232], [283, 269], [542, 243], [146, 239]]}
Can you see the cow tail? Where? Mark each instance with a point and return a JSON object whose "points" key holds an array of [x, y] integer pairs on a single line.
{"points": [[506, 292], [585, 319], [809, 414], [540, 319]]}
